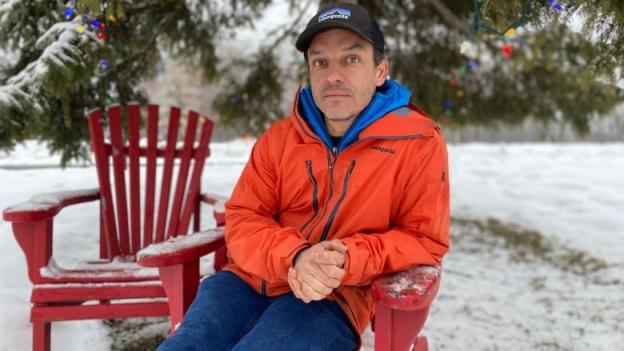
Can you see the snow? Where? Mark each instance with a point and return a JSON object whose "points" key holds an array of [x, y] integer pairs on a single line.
{"points": [[490, 298], [176, 244], [45, 201]]}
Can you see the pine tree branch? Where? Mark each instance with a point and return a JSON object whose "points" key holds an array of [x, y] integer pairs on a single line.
{"points": [[290, 29], [448, 16], [132, 58]]}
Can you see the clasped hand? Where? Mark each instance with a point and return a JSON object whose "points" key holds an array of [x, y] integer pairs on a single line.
{"points": [[317, 270]]}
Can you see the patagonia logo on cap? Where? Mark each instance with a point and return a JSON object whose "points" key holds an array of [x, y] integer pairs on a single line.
{"points": [[335, 13]]}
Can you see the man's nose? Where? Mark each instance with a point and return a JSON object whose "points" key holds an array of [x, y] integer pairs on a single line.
{"points": [[335, 76]]}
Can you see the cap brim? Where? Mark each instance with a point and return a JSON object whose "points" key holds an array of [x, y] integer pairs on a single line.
{"points": [[308, 34]]}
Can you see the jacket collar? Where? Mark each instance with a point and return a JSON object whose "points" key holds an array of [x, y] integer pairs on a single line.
{"points": [[389, 115]]}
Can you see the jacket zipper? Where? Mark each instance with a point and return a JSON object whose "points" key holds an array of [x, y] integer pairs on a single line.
{"points": [[331, 162], [314, 195], [330, 165], [332, 215]]}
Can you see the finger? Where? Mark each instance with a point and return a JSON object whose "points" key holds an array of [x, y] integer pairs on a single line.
{"points": [[318, 280], [333, 273], [294, 284], [331, 257], [315, 283], [335, 245], [310, 293]]}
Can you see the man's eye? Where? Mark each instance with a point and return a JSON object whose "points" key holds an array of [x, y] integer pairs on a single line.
{"points": [[318, 63], [353, 59]]}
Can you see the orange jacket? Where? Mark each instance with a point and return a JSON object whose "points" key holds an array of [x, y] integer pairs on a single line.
{"points": [[386, 197]]}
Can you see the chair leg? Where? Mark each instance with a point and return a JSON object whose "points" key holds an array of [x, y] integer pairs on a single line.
{"points": [[397, 330], [41, 336], [220, 257], [421, 344], [180, 283]]}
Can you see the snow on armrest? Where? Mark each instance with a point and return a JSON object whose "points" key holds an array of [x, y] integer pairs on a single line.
{"points": [[412, 289], [46, 205], [181, 249]]}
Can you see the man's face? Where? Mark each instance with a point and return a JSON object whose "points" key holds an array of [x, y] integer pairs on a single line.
{"points": [[343, 74]]}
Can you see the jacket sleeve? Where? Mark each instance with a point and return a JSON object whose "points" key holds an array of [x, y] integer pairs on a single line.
{"points": [[420, 234], [255, 240]]}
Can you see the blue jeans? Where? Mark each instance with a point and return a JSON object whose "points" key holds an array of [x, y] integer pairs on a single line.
{"points": [[228, 314]]}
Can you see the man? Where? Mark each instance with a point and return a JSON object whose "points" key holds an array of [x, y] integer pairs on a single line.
{"points": [[353, 184]]}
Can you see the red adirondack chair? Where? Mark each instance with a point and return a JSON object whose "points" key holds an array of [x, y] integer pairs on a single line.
{"points": [[114, 282], [402, 299]]}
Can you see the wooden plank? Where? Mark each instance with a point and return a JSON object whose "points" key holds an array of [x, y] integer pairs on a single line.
{"points": [[198, 168], [119, 166], [189, 139], [172, 136], [93, 291], [134, 120], [101, 311], [150, 174], [106, 198]]}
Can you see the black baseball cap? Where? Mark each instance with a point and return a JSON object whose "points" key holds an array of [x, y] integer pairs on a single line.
{"points": [[346, 16]]}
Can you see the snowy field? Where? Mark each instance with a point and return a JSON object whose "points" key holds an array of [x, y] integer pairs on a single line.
{"points": [[537, 261]]}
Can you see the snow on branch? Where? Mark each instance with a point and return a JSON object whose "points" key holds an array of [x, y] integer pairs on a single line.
{"points": [[62, 46]]}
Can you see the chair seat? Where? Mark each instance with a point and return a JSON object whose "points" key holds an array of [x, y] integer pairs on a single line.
{"points": [[98, 272]]}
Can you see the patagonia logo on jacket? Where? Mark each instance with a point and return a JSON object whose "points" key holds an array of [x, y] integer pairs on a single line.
{"points": [[383, 149]]}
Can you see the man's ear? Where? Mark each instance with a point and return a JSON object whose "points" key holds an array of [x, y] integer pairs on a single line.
{"points": [[381, 72]]}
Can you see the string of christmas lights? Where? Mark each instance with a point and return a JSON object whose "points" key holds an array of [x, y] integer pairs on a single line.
{"points": [[507, 49]]}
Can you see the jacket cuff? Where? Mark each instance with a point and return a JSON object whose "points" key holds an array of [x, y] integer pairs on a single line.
{"points": [[351, 276], [286, 254]]}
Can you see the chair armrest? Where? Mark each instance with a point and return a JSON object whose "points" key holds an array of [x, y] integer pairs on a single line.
{"points": [[218, 203], [181, 249], [408, 290], [216, 200], [47, 205]]}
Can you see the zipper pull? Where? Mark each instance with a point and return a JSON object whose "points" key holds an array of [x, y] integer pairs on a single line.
{"points": [[335, 151]]}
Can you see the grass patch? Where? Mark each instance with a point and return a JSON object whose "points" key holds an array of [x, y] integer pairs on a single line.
{"points": [[137, 334], [530, 245]]}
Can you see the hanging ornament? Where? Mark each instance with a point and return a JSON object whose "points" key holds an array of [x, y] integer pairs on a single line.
{"points": [[95, 24], [448, 104], [510, 32], [556, 5], [80, 28], [102, 26], [472, 65], [464, 47], [507, 51], [101, 35], [69, 13]]}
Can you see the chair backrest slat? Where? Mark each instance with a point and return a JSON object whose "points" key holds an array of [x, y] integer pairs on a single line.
{"points": [[119, 166], [135, 193], [163, 205], [189, 139], [150, 173], [192, 196], [134, 123], [102, 165]]}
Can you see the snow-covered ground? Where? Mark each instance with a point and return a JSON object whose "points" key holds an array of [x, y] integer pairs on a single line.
{"points": [[537, 261]]}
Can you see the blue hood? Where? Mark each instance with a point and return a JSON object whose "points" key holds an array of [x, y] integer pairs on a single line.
{"points": [[388, 97]]}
